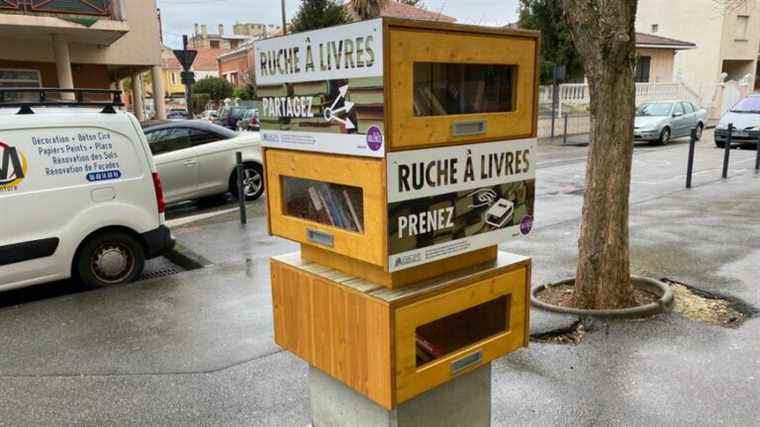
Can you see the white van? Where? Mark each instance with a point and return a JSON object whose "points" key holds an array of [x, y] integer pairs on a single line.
{"points": [[79, 195]]}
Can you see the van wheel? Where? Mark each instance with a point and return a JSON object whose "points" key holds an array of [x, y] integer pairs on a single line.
{"points": [[253, 182], [110, 258]]}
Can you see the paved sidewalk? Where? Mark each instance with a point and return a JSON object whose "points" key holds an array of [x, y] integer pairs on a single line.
{"points": [[196, 349]]}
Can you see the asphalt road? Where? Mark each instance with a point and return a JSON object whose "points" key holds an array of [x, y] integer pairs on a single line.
{"points": [[196, 348]]}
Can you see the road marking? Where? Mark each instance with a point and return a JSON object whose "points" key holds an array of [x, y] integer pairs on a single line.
{"points": [[188, 219]]}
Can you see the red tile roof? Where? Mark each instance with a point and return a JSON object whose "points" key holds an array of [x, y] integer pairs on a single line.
{"points": [[395, 9], [205, 61], [644, 40]]}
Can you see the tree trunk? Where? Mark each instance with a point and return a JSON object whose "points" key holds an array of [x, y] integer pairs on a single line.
{"points": [[604, 34]]}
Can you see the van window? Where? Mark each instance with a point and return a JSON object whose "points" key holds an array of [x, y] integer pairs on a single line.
{"points": [[168, 140]]}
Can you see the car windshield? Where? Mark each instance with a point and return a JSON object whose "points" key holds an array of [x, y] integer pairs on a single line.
{"points": [[654, 110], [747, 105], [237, 113]]}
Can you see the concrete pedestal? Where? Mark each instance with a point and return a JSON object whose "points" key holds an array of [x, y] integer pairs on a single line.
{"points": [[464, 401]]}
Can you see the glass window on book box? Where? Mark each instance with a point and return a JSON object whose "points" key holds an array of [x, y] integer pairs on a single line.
{"points": [[442, 89], [459, 330], [336, 205]]}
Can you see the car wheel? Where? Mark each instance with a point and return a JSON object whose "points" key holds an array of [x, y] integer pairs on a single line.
{"points": [[700, 129], [110, 258], [253, 182], [665, 137]]}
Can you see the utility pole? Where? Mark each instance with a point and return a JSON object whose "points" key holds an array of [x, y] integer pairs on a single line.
{"points": [[284, 20]]}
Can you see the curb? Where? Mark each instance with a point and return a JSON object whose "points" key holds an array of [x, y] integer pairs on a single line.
{"points": [[186, 258], [652, 285]]}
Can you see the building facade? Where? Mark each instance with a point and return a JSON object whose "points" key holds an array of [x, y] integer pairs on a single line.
{"points": [[241, 32], [236, 65], [655, 57], [80, 43], [726, 34]]}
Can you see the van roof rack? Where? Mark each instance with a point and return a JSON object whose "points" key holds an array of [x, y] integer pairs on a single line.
{"points": [[43, 98]]}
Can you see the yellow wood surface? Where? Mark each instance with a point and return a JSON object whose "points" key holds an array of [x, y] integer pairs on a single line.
{"points": [[342, 332], [398, 278], [409, 45], [369, 174], [411, 380]]}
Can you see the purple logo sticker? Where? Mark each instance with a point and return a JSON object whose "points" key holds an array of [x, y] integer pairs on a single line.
{"points": [[374, 138], [526, 224]]}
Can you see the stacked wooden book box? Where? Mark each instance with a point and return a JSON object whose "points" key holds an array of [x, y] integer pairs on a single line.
{"points": [[399, 154]]}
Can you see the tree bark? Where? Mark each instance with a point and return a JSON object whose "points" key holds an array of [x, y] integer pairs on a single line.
{"points": [[604, 34]]}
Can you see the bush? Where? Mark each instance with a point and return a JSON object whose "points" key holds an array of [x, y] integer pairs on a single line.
{"points": [[216, 88], [200, 101]]}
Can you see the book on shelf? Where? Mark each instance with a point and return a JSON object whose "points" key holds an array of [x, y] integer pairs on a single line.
{"points": [[352, 210], [427, 346]]}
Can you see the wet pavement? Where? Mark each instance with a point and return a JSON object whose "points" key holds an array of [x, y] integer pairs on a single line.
{"points": [[196, 348]]}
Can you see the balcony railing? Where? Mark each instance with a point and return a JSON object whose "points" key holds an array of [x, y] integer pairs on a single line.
{"points": [[69, 7]]}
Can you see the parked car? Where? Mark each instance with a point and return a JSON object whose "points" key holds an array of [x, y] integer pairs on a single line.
{"points": [[80, 196], [250, 121], [177, 114], [197, 159], [229, 116], [745, 116], [662, 121], [209, 115]]}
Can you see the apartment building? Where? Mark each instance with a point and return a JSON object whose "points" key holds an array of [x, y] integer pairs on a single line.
{"points": [[726, 34], [202, 39], [80, 43]]}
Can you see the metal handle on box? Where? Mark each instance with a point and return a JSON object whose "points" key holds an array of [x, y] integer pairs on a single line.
{"points": [[320, 238], [468, 128], [465, 362]]}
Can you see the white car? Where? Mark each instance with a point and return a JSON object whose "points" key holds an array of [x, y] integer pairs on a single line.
{"points": [[198, 159], [662, 121], [79, 195], [745, 117]]}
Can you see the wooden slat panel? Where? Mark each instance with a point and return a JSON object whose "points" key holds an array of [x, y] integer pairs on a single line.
{"points": [[334, 328], [397, 279], [408, 46]]}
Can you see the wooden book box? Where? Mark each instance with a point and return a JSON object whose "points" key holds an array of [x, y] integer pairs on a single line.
{"points": [[399, 150], [392, 345]]}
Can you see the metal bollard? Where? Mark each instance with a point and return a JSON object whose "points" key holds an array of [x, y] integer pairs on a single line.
{"points": [[690, 163], [757, 154], [564, 133], [727, 151], [241, 187]]}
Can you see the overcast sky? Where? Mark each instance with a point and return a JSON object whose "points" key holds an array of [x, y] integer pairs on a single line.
{"points": [[180, 15]]}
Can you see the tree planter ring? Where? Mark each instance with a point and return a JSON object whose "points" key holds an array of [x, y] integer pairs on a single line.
{"points": [[651, 285]]}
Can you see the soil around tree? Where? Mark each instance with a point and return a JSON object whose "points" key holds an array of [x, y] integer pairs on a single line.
{"points": [[563, 295], [713, 309]]}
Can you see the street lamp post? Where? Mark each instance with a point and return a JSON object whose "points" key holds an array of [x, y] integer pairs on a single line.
{"points": [[284, 22]]}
